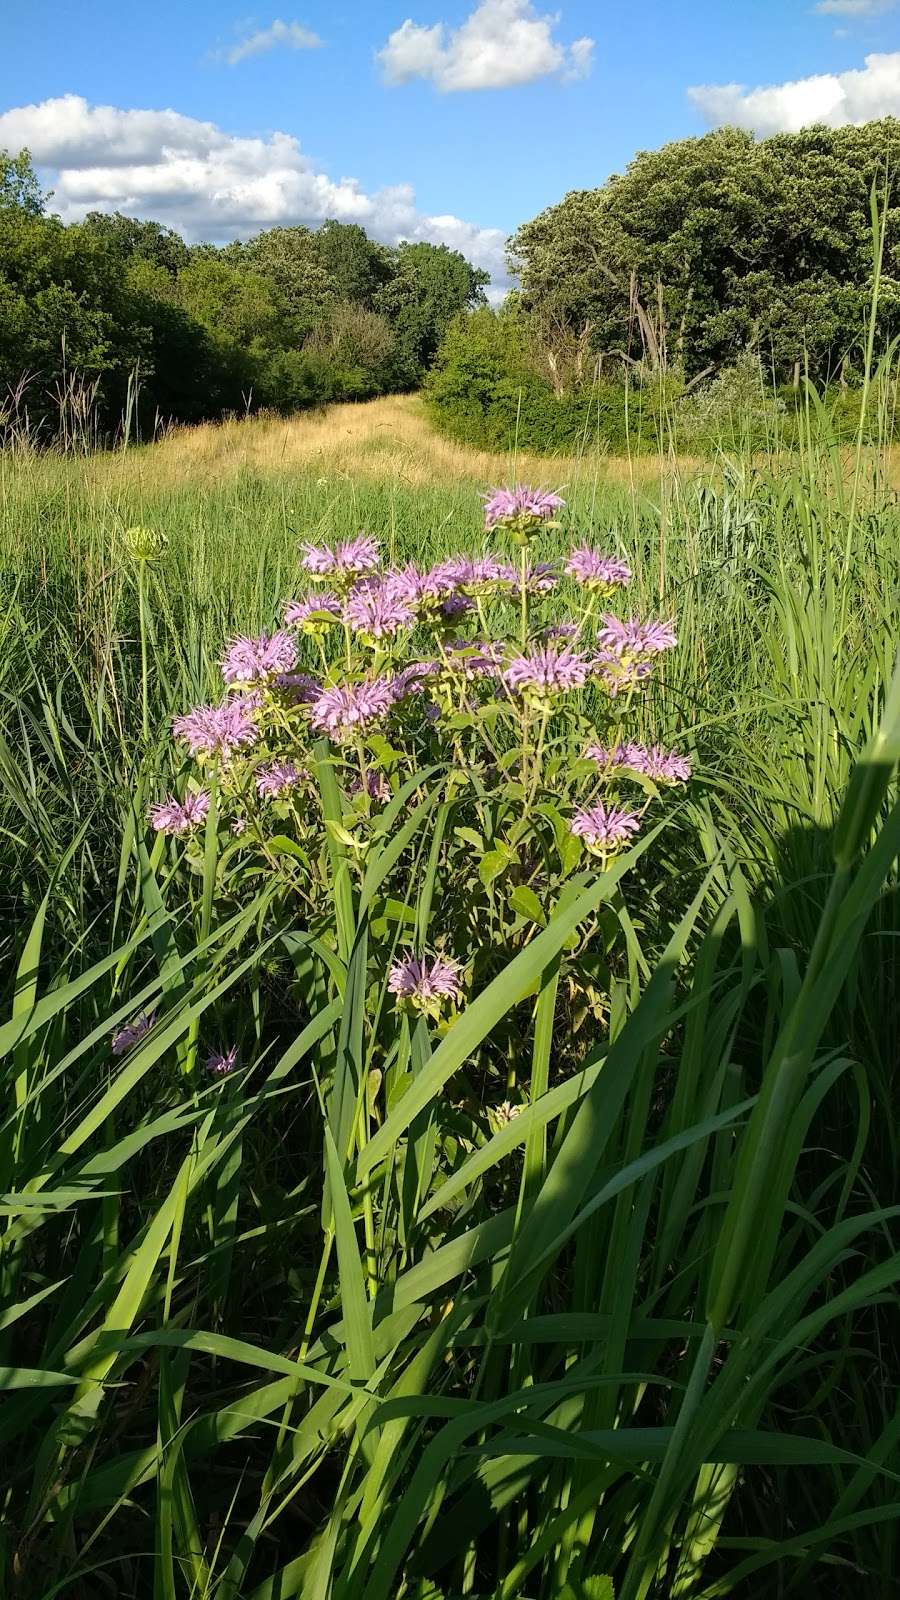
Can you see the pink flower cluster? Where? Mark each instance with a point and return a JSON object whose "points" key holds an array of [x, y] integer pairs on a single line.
{"points": [[509, 505], [218, 731], [596, 571], [351, 559], [663, 766], [424, 985], [544, 672], [259, 660], [180, 816], [277, 778], [605, 828]]}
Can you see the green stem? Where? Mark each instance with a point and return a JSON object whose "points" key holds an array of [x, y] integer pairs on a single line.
{"points": [[142, 618]]}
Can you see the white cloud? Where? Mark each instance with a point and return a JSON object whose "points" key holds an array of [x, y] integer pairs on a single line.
{"points": [[854, 8], [292, 35], [834, 98], [501, 44], [210, 184]]}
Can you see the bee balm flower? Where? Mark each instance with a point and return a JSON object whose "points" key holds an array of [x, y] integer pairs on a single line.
{"points": [[605, 829], [425, 985], [177, 817], [133, 1032], [351, 559], [342, 710], [217, 731], [597, 572], [521, 510], [259, 660], [545, 672]]}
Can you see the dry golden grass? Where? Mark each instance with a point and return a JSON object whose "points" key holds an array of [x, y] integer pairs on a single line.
{"points": [[390, 438]]}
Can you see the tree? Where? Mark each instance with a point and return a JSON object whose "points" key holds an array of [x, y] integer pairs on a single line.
{"points": [[145, 240], [19, 184], [429, 286], [356, 264], [290, 259], [738, 241]]}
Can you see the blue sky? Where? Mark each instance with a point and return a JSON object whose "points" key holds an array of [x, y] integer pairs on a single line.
{"points": [[452, 118]]}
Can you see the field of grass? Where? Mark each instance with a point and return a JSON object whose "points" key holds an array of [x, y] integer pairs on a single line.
{"points": [[591, 1282]]}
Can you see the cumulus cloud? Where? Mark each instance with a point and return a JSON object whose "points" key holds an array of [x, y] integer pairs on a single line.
{"points": [[854, 8], [209, 184], [291, 35], [501, 44], [834, 98]]}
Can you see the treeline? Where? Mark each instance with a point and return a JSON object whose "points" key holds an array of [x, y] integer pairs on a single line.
{"points": [[703, 284], [152, 325]]}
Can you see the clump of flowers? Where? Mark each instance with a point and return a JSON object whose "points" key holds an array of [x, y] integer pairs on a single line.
{"points": [[132, 1033], [597, 572], [424, 985], [259, 660], [345, 709], [277, 778], [605, 829], [546, 672], [345, 562], [376, 612], [180, 816], [486, 678], [663, 766], [219, 1063], [521, 511], [217, 732]]}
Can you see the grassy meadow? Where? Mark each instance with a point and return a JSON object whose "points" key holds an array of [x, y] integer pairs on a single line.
{"points": [[586, 1289]]}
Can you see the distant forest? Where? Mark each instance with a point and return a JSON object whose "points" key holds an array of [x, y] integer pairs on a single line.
{"points": [[178, 332], [714, 275]]}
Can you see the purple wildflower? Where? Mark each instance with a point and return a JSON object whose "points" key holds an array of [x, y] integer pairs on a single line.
{"points": [[259, 660], [660, 765], [375, 613], [455, 606], [351, 559], [219, 1064], [175, 816], [412, 679], [217, 730], [300, 687], [341, 710], [314, 614], [424, 985], [133, 1032], [239, 826], [277, 778], [616, 672], [596, 571], [474, 658], [604, 828], [376, 786], [561, 630], [636, 639], [520, 504], [544, 672], [541, 578]]}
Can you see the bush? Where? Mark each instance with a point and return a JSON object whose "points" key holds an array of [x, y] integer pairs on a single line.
{"points": [[485, 390]]}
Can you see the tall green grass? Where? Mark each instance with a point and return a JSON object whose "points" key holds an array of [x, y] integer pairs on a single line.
{"points": [[642, 1331]]}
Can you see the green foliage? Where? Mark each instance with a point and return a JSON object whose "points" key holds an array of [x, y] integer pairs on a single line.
{"points": [[742, 242], [289, 319], [485, 389]]}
